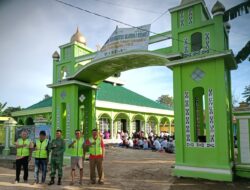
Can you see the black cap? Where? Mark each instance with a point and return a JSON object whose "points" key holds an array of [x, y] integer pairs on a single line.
{"points": [[42, 133]]}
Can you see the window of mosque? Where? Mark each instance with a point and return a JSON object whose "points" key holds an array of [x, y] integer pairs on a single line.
{"points": [[104, 124], [67, 52], [64, 72], [196, 41]]}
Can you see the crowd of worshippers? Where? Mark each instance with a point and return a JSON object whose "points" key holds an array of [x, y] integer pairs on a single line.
{"points": [[163, 142]]}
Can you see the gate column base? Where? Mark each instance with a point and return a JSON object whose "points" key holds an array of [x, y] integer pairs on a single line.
{"points": [[217, 174]]}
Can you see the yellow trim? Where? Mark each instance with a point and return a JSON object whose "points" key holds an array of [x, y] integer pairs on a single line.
{"points": [[32, 111], [4, 118]]}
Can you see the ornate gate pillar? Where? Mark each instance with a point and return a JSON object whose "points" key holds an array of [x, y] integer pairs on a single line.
{"points": [[202, 93]]}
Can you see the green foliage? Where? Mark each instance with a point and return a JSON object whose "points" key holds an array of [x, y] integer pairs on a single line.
{"points": [[9, 110], [2, 106], [166, 99], [246, 94], [46, 96], [20, 122]]}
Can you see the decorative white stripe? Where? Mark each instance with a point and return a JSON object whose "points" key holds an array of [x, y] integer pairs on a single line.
{"points": [[187, 117], [211, 115], [185, 47], [190, 16], [58, 118], [127, 107], [207, 40], [68, 128], [209, 170], [182, 18]]}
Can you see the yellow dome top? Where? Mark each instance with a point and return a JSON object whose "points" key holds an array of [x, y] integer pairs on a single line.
{"points": [[78, 37]]}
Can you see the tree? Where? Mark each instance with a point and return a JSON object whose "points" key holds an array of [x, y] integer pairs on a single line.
{"points": [[235, 99], [166, 99], [9, 110], [46, 96], [2, 106], [246, 94]]}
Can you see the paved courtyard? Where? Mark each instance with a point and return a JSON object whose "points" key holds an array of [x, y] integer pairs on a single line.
{"points": [[130, 170]]}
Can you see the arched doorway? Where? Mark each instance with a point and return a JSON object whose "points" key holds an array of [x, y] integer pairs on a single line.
{"points": [[121, 122], [138, 123], [104, 122], [164, 125], [152, 126], [172, 128], [29, 121]]}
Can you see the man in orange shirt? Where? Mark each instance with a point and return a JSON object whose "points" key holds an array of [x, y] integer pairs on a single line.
{"points": [[97, 153]]}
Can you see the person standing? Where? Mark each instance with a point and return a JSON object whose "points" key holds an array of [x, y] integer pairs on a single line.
{"points": [[23, 156], [77, 156], [41, 156], [57, 146], [97, 153]]}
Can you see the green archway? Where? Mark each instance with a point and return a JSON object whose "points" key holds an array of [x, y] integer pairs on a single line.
{"points": [[199, 57]]}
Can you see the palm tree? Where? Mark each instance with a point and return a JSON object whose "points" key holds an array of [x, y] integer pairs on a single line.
{"points": [[246, 94], [2, 106]]}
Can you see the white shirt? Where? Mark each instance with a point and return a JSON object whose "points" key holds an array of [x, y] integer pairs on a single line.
{"points": [[162, 134], [164, 144], [157, 145], [130, 143], [145, 144]]}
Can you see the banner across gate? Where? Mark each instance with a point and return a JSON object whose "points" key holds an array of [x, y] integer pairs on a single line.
{"points": [[124, 40]]}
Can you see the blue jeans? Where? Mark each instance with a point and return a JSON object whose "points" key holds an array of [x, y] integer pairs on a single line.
{"points": [[40, 164]]}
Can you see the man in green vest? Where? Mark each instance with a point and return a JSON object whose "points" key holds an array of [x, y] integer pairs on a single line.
{"points": [[23, 156], [56, 162], [41, 156], [77, 155], [97, 153]]}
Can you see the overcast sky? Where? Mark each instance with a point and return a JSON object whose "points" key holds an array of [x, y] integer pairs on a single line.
{"points": [[31, 30]]}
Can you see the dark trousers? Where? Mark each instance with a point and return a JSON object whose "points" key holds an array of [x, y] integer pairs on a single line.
{"points": [[40, 164], [19, 163], [93, 164]]}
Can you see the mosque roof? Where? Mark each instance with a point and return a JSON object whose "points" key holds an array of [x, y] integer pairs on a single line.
{"points": [[110, 93]]}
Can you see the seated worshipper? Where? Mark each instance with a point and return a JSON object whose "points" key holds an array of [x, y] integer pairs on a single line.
{"points": [[130, 143], [136, 145], [150, 142], [156, 145], [140, 143], [164, 143], [170, 146], [145, 144], [122, 142], [106, 134]]}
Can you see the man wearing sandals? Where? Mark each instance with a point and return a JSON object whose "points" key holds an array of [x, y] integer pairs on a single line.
{"points": [[77, 156], [97, 152]]}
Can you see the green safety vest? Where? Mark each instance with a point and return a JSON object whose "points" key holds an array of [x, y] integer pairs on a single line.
{"points": [[23, 151], [41, 151], [77, 149], [96, 148]]}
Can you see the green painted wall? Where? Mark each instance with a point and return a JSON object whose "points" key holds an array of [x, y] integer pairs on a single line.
{"points": [[194, 158]]}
